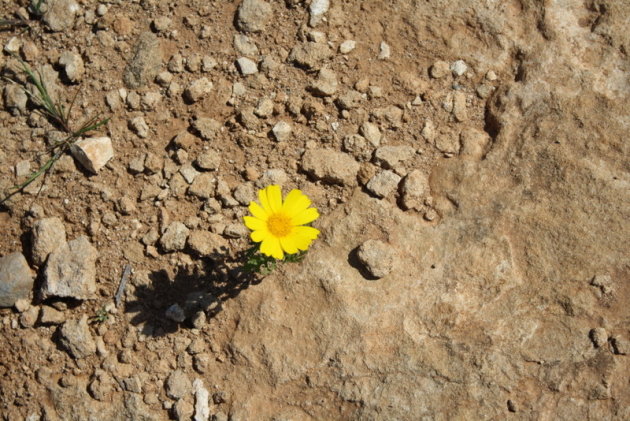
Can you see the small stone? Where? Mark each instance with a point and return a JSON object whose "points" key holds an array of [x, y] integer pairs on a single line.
{"points": [[428, 131], [93, 153], [390, 116], [22, 168], [326, 83], [193, 63], [202, 410], [282, 131], [72, 64], [330, 166], [139, 126], [415, 188], [145, 63], [604, 282], [246, 66], [244, 45], [183, 410], [459, 67], [204, 186], [310, 55], [51, 316], [620, 345], [126, 205], [316, 11], [347, 46], [208, 63], [164, 78], [176, 63], [273, 176], [174, 238], [16, 279], [178, 385], [439, 69], [491, 76], [60, 14], [430, 215], [377, 257], [209, 160], [473, 143], [358, 146], [22, 305], [349, 100], [371, 133], [161, 24], [15, 99], [484, 91], [599, 336], [29, 317], [253, 15], [189, 173], [207, 128], [512, 407], [384, 51], [199, 320], [70, 271], [76, 338], [459, 106], [13, 45], [136, 165], [383, 183], [264, 108], [236, 231], [447, 143], [30, 51], [205, 243], [390, 156], [245, 193], [101, 10], [198, 89], [175, 313], [150, 101]]}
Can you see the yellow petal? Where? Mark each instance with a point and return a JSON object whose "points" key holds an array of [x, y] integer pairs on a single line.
{"points": [[271, 247], [288, 244], [256, 210], [274, 197], [305, 216], [309, 233], [254, 223], [264, 201], [295, 202], [258, 236]]}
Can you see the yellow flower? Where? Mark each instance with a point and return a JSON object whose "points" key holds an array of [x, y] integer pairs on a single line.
{"points": [[278, 225]]}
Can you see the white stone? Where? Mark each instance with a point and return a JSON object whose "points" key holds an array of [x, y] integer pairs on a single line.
{"points": [[459, 67], [13, 45], [282, 131], [316, 10], [347, 46], [202, 410], [22, 168], [93, 153], [246, 66], [385, 51]]}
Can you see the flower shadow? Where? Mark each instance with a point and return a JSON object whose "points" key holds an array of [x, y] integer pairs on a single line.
{"points": [[183, 301]]}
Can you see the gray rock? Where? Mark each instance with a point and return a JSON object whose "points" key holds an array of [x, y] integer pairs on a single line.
{"points": [[189, 173], [377, 257], [174, 238], [349, 100], [385, 51], [246, 66], [244, 45], [310, 55], [16, 279], [331, 166], [415, 188], [459, 106], [176, 313], [244, 193], [198, 89], [459, 67], [60, 14], [281, 131], [93, 153], [390, 156], [70, 271], [347, 46], [383, 183], [22, 305], [178, 385], [145, 63], [48, 234], [326, 83], [253, 15], [447, 143], [72, 64], [76, 338], [358, 146], [207, 128]]}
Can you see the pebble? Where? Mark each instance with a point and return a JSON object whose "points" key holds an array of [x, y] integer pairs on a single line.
{"points": [[175, 313], [310, 55], [51, 316], [174, 238], [390, 156], [599, 336], [189, 173], [484, 91], [264, 108], [126, 205], [139, 126], [207, 128], [491, 76], [428, 131], [245, 193], [176, 63], [447, 143], [246, 66], [76, 338], [273, 176], [439, 69], [236, 231], [326, 83], [202, 410], [15, 99], [72, 64], [60, 14], [22, 305], [371, 133], [93, 153], [23, 168], [161, 24], [316, 10], [244, 45], [347, 46], [204, 186], [205, 243], [459, 67], [384, 51], [604, 282], [349, 100], [183, 410], [208, 160], [178, 385], [281, 131], [30, 51], [29, 317], [253, 15], [198, 89], [48, 234], [208, 63], [473, 143], [459, 106], [16, 279], [13, 45], [330, 166], [70, 271], [391, 116], [377, 257], [358, 146], [415, 187], [383, 183], [620, 345], [145, 62]]}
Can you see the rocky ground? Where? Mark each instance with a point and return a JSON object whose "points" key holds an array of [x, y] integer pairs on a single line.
{"points": [[469, 160]]}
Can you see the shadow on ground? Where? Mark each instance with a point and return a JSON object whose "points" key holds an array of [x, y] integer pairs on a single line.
{"points": [[220, 278]]}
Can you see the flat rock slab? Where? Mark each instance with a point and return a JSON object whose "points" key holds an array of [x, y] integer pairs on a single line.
{"points": [[331, 166], [145, 63], [76, 338], [70, 271], [48, 234], [93, 153], [16, 279]]}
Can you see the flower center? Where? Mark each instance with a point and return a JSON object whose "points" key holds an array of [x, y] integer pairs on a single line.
{"points": [[279, 225]]}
